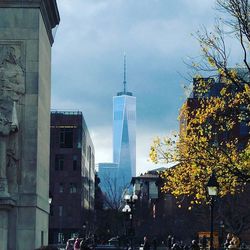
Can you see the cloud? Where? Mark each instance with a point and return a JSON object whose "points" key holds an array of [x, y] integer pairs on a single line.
{"points": [[87, 63]]}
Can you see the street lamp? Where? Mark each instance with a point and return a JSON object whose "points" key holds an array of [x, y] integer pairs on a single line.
{"points": [[212, 188], [129, 209], [84, 230], [50, 214], [50, 198], [221, 232]]}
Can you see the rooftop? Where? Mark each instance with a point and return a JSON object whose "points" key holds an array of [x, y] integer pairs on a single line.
{"points": [[66, 112]]}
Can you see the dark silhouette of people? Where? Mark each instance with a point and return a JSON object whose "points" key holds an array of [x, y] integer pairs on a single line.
{"points": [[154, 244], [194, 245], [169, 242], [204, 242], [146, 244]]}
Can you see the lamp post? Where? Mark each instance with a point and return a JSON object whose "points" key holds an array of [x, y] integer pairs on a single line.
{"points": [[50, 199], [212, 188], [129, 209], [50, 214], [221, 233], [84, 230]]}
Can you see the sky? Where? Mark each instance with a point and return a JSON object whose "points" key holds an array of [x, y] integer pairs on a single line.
{"points": [[87, 63]]}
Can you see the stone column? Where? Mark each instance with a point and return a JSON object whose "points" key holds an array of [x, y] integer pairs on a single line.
{"points": [[3, 180], [25, 78], [3, 229]]}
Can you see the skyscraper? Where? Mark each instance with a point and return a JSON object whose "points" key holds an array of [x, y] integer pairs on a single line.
{"points": [[124, 133]]}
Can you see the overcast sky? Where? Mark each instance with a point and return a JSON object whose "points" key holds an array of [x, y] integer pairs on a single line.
{"points": [[87, 63]]}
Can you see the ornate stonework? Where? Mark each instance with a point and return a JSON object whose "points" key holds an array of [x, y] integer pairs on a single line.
{"points": [[12, 89], [12, 85]]}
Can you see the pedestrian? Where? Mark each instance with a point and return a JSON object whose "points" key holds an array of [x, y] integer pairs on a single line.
{"points": [[172, 241], [194, 245], [154, 244], [77, 244], [85, 244], [181, 245], [69, 245], [175, 246], [169, 240], [228, 239], [234, 243], [146, 244], [204, 242]]}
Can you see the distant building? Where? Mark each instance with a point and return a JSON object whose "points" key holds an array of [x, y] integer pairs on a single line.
{"points": [[155, 211], [124, 133], [240, 130], [111, 189], [72, 175], [123, 167]]}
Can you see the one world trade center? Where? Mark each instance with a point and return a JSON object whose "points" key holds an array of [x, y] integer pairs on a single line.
{"points": [[124, 134]]}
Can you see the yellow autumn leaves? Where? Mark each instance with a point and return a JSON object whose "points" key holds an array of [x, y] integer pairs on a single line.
{"points": [[208, 142]]}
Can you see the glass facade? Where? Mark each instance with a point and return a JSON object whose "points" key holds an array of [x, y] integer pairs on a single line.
{"points": [[124, 136]]}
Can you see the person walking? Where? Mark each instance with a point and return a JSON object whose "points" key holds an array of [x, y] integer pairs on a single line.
{"points": [[154, 243], [194, 245], [146, 244], [169, 242], [77, 244]]}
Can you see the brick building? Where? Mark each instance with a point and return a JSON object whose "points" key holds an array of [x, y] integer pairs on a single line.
{"points": [[72, 175]]}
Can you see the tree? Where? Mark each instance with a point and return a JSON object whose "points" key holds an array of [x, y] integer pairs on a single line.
{"points": [[112, 196], [234, 212], [214, 124]]}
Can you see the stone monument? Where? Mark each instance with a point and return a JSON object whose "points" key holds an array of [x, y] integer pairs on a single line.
{"points": [[26, 37]]}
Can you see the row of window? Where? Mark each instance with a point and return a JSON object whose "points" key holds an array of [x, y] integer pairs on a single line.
{"points": [[66, 138], [72, 187], [59, 162]]}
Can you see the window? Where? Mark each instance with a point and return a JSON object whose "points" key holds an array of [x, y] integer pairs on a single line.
{"points": [[84, 142], [72, 188], [66, 138], [59, 162], [60, 238], [74, 162], [131, 115], [118, 115], [60, 211], [61, 187], [79, 138], [89, 154]]}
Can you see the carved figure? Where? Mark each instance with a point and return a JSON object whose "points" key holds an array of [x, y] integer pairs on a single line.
{"points": [[12, 88], [11, 84]]}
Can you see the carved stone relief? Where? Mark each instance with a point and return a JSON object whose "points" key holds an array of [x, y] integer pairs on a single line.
{"points": [[12, 85], [12, 89]]}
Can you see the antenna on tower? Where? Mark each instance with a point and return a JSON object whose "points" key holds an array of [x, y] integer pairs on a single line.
{"points": [[124, 76]]}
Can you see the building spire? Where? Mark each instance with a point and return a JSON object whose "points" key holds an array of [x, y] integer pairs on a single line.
{"points": [[124, 91], [124, 76]]}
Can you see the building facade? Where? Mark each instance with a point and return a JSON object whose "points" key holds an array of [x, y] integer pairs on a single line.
{"points": [[72, 175], [154, 210], [124, 134]]}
